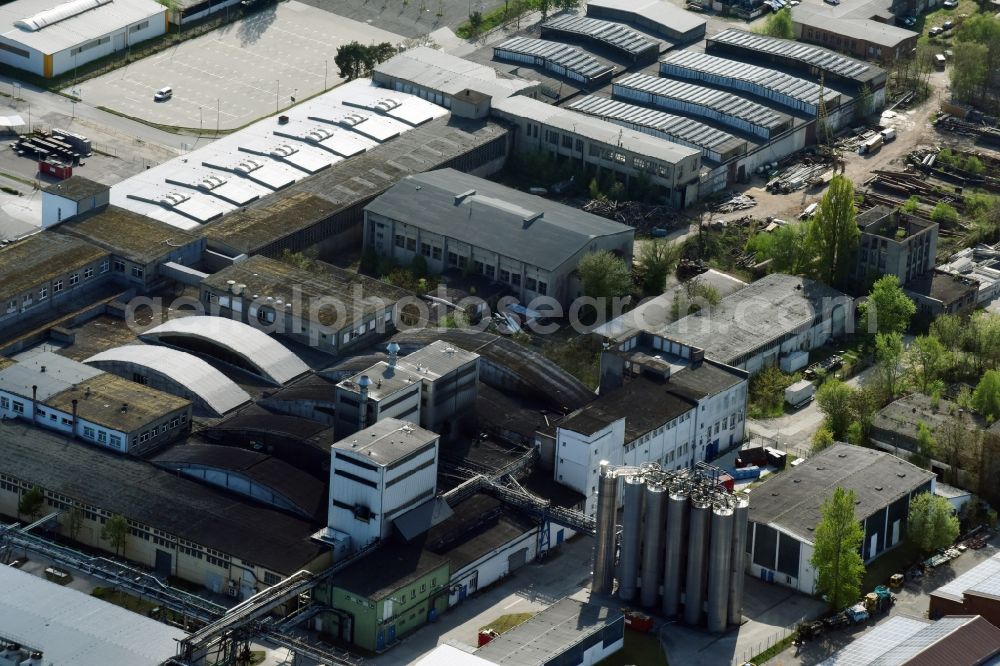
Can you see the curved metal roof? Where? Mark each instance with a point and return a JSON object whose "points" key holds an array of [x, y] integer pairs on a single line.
{"points": [[270, 358], [212, 387]]}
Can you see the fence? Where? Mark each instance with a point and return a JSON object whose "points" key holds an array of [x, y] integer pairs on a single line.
{"points": [[750, 653]]}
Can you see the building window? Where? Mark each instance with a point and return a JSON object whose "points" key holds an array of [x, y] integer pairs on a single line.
{"points": [[504, 276], [425, 249], [119, 266], [89, 433], [116, 441], [105, 265], [400, 240], [102, 437], [542, 287], [490, 271], [137, 271], [411, 244], [515, 279], [436, 253], [88, 273], [271, 579], [530, 284], [567, 141], [18, 407], [43, 293], [74, 279]]}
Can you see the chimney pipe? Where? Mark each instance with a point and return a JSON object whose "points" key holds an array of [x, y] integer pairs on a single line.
{"points": [[363, 383], [74, 416], [393, 350], [34, 403]]}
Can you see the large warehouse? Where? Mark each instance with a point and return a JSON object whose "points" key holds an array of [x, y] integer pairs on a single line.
{"points": [[785, 510], [48, 38]]}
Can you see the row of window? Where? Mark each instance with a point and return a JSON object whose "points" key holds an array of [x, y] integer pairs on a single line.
{"points": [[57, 286], [147, 435]]}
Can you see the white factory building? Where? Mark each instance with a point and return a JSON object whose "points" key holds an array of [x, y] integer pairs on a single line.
{"points": [[376, 475], [49, 38]]}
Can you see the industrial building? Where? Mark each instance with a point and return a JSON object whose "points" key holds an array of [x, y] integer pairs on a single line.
{"points": [[378, 474], [715, 145], [974, 592], [69, 198], [852, 29], [937, 293], [442, 78], [71, 628], [614, 36], [178, 527], [979, 264], [659, 17], [672, 413], [327, 307], [95, 407], [893, 243], [785, 510], [434, 387], [776, 320], [672, 170], [569, 632], [720, 106], [48, 38], [175, 372], [963, 640], [459, 221], [682, 543], [557, 58]]}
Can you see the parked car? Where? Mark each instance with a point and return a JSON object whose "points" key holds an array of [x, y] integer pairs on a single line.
{"points": [[909, 21], [950, 4], [163, 94], [935, 31], [947, 25], [832, 2]]}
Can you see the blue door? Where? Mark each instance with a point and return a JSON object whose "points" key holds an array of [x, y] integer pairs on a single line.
{"points": [[392, 633], [463, 592], [770, 576], [712, 451], [380, 641], [560, 536], [763, 575]]}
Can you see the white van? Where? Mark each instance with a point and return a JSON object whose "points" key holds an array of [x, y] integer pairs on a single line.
{"points": [[163, 94]]}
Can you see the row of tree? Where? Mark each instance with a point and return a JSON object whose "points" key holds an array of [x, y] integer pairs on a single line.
{"points": [[355, 60], [114, 531], [976, 59]]}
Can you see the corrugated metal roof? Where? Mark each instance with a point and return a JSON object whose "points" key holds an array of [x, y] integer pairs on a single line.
{"points": [[770, 79], [50, 27], [257, 348], [49, 372], [436, 70], [71, 627], [666, 14], [612, 34], [721, 101], [812, 56], [573, 60], [983, 577], [683, 130]]}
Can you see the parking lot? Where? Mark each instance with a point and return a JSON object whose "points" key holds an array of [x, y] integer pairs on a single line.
{"points": [[238, 73]]}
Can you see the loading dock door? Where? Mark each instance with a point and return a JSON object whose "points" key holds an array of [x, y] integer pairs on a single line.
{"points": [[516, 560], [164, 562]]}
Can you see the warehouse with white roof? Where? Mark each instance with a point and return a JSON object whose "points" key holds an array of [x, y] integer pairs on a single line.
{"points": [[49, 38]]}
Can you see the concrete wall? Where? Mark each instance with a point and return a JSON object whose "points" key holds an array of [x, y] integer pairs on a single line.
{"points": [[491, 567], [117, 40]]}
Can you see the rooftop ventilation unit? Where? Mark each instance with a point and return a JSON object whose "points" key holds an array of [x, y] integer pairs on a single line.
{"points": [[387, 104], [246, 166], [318, 134], [459, 198], [283, 150], [58, 13], [172, 199], [210, 182]]}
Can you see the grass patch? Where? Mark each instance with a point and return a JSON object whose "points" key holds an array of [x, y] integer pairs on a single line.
{"points": [[644, 649], [579, 356], [774, 650], [495, 18], [508, 622], [767, 393], [123, 599]]}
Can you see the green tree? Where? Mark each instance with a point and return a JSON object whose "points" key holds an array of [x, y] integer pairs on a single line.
{"points": [[115, 532], [944, 214], [986, 398], [789, 248], [779, 24], [475, 22], [604, 275], [30, 503], [856, 434], [982, 29], [931, 523], [822, 438], [926, 446], [834, 400], [926, 360], [834, 232], [911, 205], [864, 405], [888, 364], [74, 522], [657, 260], [887, 309], [350, 60], [968, 70], [837, 551]]}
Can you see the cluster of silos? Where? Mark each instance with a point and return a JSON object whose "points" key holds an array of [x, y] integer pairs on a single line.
{"points": [[681, 547]]}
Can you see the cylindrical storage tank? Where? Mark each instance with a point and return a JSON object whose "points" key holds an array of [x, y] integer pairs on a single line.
{"points": [[719, 551], [652, 545], [628, 557], [737, 559], [604, 547], [674, 551], [694, 581]]}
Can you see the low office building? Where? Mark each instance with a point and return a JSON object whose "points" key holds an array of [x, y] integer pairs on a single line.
{"points": [[937, 293], [72, 197], [434, 386], [461, 85], [964, 640], [43, 273], [327, 307], [974, 592], [659, 17], [893, 243], [95, 407], [776, 320], [48, 38], [71, 627], [785, 510], [980, 264], [671, 169], [376, 475], [140, 247], [851, 29], [459, 221], [177, 527]]}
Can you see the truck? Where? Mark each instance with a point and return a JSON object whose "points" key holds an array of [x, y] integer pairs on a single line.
{"points": [[888, 134], [800, 393], [870, 145]]}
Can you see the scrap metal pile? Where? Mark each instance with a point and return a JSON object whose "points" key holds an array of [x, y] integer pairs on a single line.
{"points": [[644, 217], [734, 203], [985, 133], [798, 176]]}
